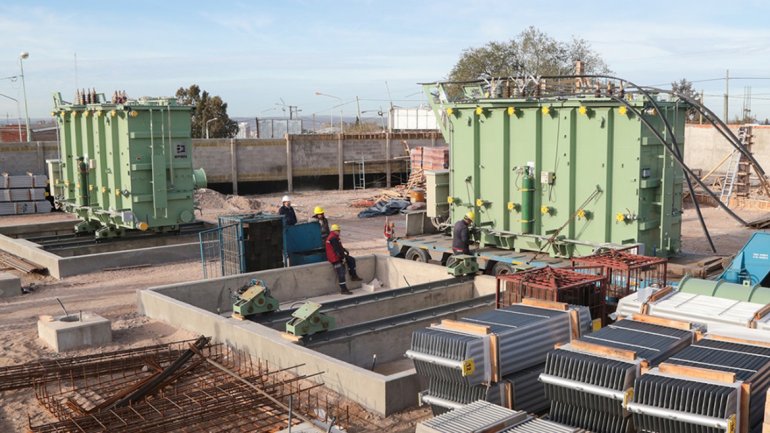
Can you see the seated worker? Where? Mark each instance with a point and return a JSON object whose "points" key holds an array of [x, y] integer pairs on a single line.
{"points": [[461, 239], [318, 216], [336, 254], [287, 211]]}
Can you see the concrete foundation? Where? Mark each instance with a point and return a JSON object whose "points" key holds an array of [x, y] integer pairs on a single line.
{"points": [[346, 361], [75, 260], [64, 333], [10, 285]]}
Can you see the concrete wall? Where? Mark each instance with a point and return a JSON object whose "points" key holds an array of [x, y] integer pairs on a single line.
{"points": [[705, 147], [193, 306], [20, 158]]}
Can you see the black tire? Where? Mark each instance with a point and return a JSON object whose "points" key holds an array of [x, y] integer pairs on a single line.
{"points": [[450, 261], [417, 255], [501, 268]]}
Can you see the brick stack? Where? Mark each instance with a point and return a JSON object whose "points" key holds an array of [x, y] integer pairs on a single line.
{"points": [[429, 158], [23, 194]]}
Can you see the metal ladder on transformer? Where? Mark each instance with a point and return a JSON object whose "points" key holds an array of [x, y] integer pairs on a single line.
{"points": [[729, 180]]}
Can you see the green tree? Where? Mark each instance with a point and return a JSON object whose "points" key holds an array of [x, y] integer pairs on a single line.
{"points": [[207, 107], [685, 88], [530, 52]]}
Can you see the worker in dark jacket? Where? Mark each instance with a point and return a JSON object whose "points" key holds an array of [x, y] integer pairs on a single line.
{"points": [[287, 211], [461, 239], [318, 216], [336, 254]]}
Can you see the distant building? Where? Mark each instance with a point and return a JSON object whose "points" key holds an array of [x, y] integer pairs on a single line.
{"points": [[13, 133], [244, 130]]}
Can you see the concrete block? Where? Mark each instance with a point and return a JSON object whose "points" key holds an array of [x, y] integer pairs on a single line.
{"points": [[10, 285], [64, 333]]}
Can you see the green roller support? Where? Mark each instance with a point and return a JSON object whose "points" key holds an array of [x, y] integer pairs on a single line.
{"points": [[308, 320], [527, 165], [255, 299], [723, 289], [125, 165]]}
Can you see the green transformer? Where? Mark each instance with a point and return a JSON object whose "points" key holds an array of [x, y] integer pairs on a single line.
{"points": [[565, 175], [125, 165]]}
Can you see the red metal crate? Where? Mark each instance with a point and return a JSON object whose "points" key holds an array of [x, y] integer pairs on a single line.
{"points": [[626, 272], [572, 286]]}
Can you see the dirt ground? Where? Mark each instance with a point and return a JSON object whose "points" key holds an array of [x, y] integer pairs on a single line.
{"points": [[113, 294]]}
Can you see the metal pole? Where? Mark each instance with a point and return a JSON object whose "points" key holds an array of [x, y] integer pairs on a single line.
{"points": [[358, 109], [18, 114], [727, 95], [23, 56]]}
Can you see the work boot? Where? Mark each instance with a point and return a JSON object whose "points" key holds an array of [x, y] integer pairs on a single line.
{"points": [[344, 290], [354, 277]]}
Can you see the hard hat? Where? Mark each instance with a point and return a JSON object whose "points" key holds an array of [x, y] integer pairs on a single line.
{"points": [[285, 198], [335, 227], [471, 215], [318, 210]]}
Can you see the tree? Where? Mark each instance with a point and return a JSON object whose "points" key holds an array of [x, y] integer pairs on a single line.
{"points": [[207, 107], [685, 88], [531, 52]]}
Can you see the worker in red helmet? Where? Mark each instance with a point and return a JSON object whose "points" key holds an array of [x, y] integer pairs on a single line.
{"points": [[336, 254]]}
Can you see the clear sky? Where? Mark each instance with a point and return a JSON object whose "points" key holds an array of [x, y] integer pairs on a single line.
{"points": [[255, 54]]}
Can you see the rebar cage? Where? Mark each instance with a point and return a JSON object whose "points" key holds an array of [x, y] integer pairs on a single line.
{"points": [[198, 396], [578, 286]]}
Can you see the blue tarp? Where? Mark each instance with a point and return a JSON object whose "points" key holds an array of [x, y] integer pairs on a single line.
{"points": [[382, 208]]}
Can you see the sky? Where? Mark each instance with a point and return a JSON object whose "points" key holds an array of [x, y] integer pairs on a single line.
{"points": [[262, 55]]}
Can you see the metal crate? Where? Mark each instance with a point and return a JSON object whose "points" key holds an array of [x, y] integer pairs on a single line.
{"points": [[625, 272], [578, 286]]}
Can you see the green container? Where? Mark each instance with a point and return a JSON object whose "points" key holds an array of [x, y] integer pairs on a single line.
{"points": [[570, 147], [125, 166]]}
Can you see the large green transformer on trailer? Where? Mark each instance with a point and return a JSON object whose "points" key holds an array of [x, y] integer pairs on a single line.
{"points": [[125, 165], [564, 175]]}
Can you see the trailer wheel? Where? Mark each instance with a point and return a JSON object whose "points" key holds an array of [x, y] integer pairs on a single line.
{"points": [[417, 255], [502, 268]]}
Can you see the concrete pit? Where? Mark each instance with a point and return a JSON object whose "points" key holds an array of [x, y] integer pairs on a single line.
{"points": [[56, 248], [368, 324]]}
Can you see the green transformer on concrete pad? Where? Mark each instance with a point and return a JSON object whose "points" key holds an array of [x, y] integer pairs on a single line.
{"points": [[529, 166], [125, 165]]}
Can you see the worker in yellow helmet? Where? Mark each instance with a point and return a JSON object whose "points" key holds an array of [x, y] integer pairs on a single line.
{"points": [[461, 239], [318, 216], [336, 254]]}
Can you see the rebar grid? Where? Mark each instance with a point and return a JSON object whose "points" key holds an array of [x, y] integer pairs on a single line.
{"points": [[25, 375], [626, 272], [201, 398], [573, 286]]}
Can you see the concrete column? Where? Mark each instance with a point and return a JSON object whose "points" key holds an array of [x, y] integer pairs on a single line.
{"points": [[234, 165], [340, 163], [289, 165], [387, 160], [40, 159], [433, 139]]}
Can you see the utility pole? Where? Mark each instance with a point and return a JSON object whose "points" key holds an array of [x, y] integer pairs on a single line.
{"points": [[727, 95], [700, 115]]}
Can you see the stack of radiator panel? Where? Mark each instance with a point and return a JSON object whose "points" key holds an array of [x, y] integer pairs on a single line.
{"points": [[495, 356], [589, 380], [481, 416], [715, 313], [23, 194], [711, 386]]}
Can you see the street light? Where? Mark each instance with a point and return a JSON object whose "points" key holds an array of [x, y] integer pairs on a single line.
{"points": [[18, 113], [207, 126], [331, 112], [379, 113], [23, 56]]}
